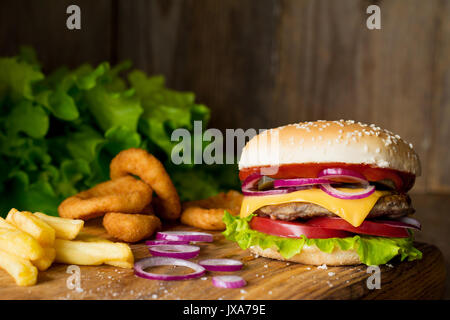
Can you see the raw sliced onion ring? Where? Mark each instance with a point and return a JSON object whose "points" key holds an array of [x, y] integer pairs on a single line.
{"points": [[411, 221], [142, 264], [228, 281], [325, 178], [180, 251], [158, 242], [281, 183], [343, 175], [251, 181], [184, 236], [221, 264], [403, 222], [328, 189]]}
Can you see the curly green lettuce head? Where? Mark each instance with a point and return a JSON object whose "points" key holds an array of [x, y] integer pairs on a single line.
{"points": [[371, 250], [59, 131]]}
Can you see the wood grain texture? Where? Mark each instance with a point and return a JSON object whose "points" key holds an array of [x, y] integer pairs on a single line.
{"points": [[266, 279], [433, 212], [42, 25]]}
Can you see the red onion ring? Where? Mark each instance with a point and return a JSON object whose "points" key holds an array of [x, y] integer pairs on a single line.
{"points": [[324, 180], [251, 181], [142, 264], [269, 192], [411, 221], [344, 175], [158, 242], [179, 251], [280, 183], [401, 223], [328, 189], [228, 281], [221, 264], [340, 173], [184, 236]]}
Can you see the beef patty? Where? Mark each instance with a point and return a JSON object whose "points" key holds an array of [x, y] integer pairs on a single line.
{"points": [[390, 206]]}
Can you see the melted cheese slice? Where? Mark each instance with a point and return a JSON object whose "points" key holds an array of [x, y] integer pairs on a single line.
{"points": [[352, 211]]}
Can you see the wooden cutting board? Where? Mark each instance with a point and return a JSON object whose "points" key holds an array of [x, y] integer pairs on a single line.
{"points": [[266, 278]]}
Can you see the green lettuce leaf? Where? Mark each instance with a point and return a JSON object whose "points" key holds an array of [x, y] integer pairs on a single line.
{"points": [[29, 119], [17, 78], [371, 250], [59, 131], [113, 109], [165, 110]]}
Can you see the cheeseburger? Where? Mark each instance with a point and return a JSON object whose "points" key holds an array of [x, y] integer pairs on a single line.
{"points": [[327, 192]]}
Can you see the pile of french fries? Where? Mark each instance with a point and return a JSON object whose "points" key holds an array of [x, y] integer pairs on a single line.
{"points": [[33, 241]]}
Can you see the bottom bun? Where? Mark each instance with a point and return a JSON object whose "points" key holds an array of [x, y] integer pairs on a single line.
{"points": [[313, 255]]}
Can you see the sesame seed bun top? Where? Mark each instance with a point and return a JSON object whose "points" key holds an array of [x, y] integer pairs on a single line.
{"points": [[330, 141]]}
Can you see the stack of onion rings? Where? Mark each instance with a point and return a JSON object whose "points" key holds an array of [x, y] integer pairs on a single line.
{"points": [[125, 201], [126, 194], [149, 169]]}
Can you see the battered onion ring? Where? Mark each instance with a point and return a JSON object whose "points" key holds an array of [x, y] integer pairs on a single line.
{"points": [[140, 163], [148, 210], [130, 227], [207, 213], [126, 194]]}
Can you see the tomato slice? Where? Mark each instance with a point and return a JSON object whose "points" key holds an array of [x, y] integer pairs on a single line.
{"points": [[367, 227], [294, 229]]}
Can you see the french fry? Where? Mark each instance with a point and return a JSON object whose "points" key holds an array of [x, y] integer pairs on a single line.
{"points": [[23, 272], [121, 264], [19, 243], [87, 237], [45, 261], [66, 229], [32, 225], [6, 225], [93, 253]]}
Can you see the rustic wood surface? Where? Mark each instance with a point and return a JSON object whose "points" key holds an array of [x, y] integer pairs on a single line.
{"points": [[433, 211], [260, 64], [266, 278]]}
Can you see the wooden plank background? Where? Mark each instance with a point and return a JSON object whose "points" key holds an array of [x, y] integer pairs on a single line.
{"points": [[266, 63]]}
